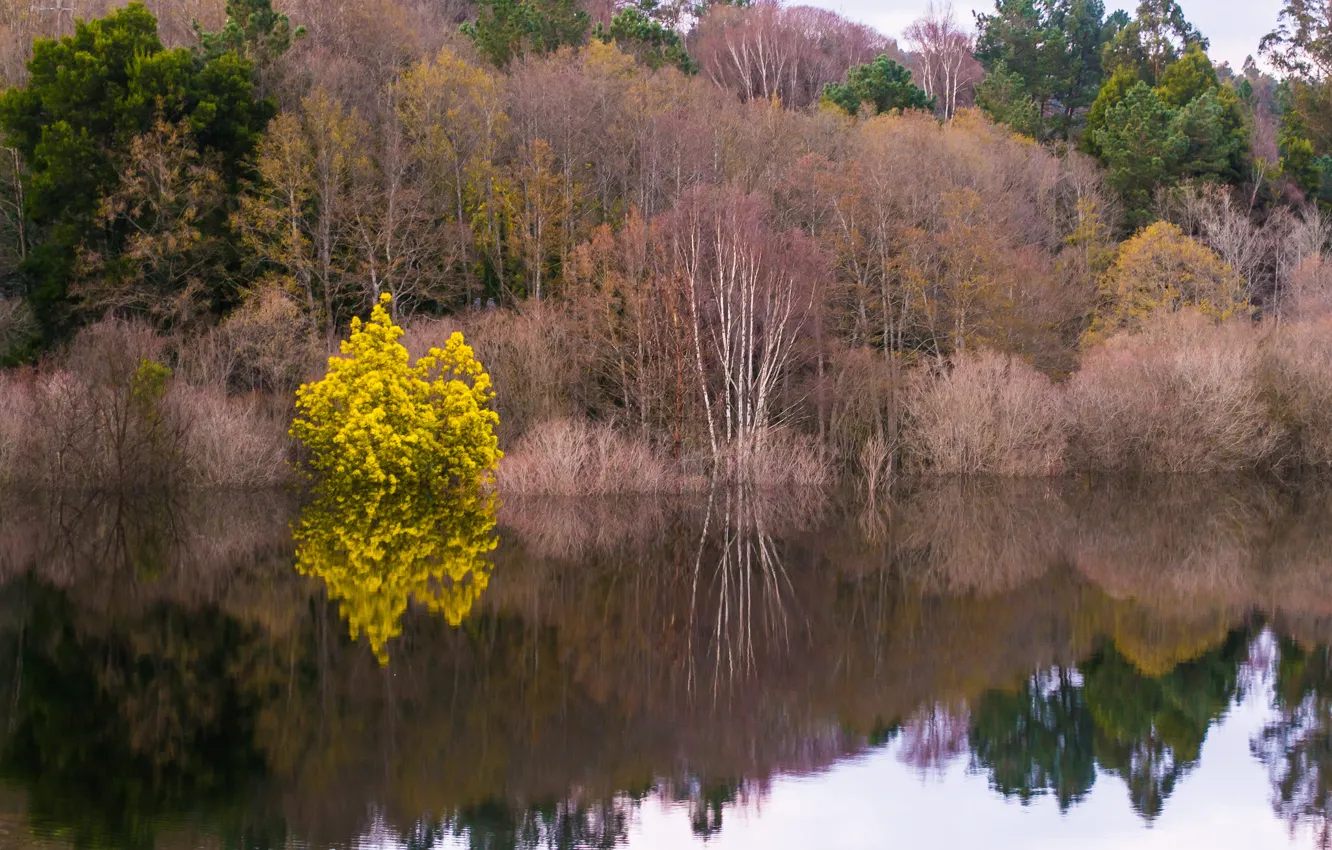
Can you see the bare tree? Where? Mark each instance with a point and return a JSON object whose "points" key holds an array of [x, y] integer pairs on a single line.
{"points": [[766, 51], [749, 292], [296, 219], [944, 50], [398, 233]]}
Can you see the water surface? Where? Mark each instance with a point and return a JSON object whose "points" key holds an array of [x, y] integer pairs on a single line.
{"points": [[1008, 664]]}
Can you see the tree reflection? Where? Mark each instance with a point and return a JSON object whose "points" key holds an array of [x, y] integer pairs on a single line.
{"points": [[555, 825], [1050, 735], [378, 551], [1297, 746], [747, 579], [163, 666], [115, 725], [1150, 730], [934, 736], [1037, 739]]}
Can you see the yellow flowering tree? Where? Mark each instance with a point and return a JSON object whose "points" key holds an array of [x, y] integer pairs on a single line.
{"points": [[375, 420], [403, 457]]}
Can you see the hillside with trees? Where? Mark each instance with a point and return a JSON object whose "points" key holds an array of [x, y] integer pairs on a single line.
{"points": [[738, 239]]}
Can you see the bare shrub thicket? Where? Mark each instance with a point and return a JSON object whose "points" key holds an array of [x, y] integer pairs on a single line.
{"points": [[268, 344], [1308, 293], [108, 414], [1183, 396], [569, 457], [532, 357], [991, 414], [101, 416], [1297, 373], [864, 393], [16, 417], [777, 458], [238, 441]]}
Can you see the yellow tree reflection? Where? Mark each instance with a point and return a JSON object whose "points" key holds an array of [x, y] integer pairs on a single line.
{"points": [[377, 553]]}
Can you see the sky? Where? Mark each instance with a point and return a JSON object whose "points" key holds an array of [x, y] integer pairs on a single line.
{"points": [[1234, 26]]}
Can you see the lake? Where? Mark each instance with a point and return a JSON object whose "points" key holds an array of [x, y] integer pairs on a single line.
{"points": [[1064, 663]]}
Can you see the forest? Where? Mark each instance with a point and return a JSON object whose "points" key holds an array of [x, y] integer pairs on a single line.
{"points": [[737, 241]]}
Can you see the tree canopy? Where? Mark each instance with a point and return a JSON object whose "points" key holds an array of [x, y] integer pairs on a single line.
{"points": [[1051, 51], [89, 96], [638, 30], [505, 29], [252, 30], [882, 84]]}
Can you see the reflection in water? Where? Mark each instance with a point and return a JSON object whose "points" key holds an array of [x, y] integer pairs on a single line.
{"points": [[1297, 745], [383, 548], [1036, 739], [1052, 734], [739, 566], [167, 680]]}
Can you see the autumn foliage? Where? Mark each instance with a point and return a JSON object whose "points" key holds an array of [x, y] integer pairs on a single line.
{"points": [[694, 267]]}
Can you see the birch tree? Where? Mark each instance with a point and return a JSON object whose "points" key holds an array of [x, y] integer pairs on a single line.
{"points": [[749, 292], [944, 52]]}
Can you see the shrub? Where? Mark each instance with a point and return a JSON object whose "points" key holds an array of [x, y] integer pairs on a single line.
{"points": [[1185, 396], [109, 415], [100, 417], [864, 401], [16, 418], [776, 459], [231, 441], [568, 457], [991, 414], [533, 359], [1297, 374], [1309, 290], [267, 344]]}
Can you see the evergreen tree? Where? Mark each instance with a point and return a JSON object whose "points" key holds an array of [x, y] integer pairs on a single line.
{"points": [[637, 30], [1157, 36], [1112, 94], [1053, 47], [1299, 161], [1003, 95], [505, 29], [253, 30], [1141, 146], [883, 84], [1188, 79], [89, 96], [1218, 141]]}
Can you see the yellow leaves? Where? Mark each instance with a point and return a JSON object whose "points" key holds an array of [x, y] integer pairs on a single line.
{"points": [[605, 60], [1163, 270]]}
